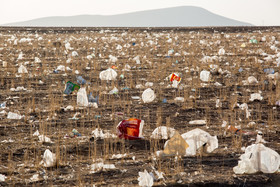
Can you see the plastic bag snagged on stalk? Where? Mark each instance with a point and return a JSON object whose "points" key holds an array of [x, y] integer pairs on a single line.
{"points": [[82, 99], [49, 158], [148, 95], [130, 129], [108, 74], [258, 157], [197, 138]]}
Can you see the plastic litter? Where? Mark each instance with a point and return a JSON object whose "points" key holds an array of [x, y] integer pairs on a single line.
{"points": [[175, 146], [145, 179], [258, 157], [74, 134], [108, 74], [2, 178], [163, 132], [82, 99], [256, 96], [130, 129], [22, 69], [81, 80], [197, 138], [92, 99], [269, 70], [70, 87], [176, 77], [43, 138], [49, 158], [148, 95], [96, 167], [222, 52], [114, 91], [205, 76], [252, 80], [35, 178], [197, 122], [60, 68], [253, 41], [12, 115], [3, 105], [179, 99]]}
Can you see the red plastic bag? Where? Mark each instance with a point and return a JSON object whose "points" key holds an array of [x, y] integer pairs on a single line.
{"points": [[175, 77], [130, 129]]}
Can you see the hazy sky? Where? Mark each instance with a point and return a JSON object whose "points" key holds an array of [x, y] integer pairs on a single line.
{"points": [[257, 12]]}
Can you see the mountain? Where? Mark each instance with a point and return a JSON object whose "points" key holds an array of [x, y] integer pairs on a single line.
{"points": [[183, 16]]}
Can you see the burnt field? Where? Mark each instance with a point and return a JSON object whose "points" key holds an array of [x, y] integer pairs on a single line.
{"points": [[241, 91]]}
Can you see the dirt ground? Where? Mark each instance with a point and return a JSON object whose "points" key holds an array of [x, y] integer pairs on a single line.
{"points": [[161, 51]]}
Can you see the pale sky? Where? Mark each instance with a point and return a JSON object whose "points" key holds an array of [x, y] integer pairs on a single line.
{"points": [[257, 12]]}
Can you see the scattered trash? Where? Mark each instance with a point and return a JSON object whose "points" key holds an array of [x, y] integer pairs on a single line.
{"points": [[2, 178], [205, 76], [198, 122], [259, 138], [179, 99], [81, 80], [35, 178], [175, 76], [12, 115], [60, 68], [252, 80], [243, 45], [49, 159], [197, 138], [82, 99], [91, 99], [253, 41], [277, 103], [148, 95], [269, 70], [145, 179], [73, 134], [70, 87], [36, 133], [98, 134], [108, 74], [96, 167], [256, 96], [3, 105], [258, 157], [22, 69], [175, 146], [136, 97], [114, 91], [163, 132], [44, 139], [130, 129], [221, 52]]}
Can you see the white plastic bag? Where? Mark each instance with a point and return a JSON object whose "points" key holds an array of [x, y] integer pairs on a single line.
{"points": [[148, 95], [12, 115], [256, 158], [205, 76], [163, 132], [108, 74], [145, 179], [49, 158], [197, 138], [82, 99], [22, 69]]}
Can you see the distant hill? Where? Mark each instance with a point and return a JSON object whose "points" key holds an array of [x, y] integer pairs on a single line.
{"points": [[184, 16]]}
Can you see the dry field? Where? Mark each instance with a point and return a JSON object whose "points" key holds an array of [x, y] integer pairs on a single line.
{"points": [[38, 97]]}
